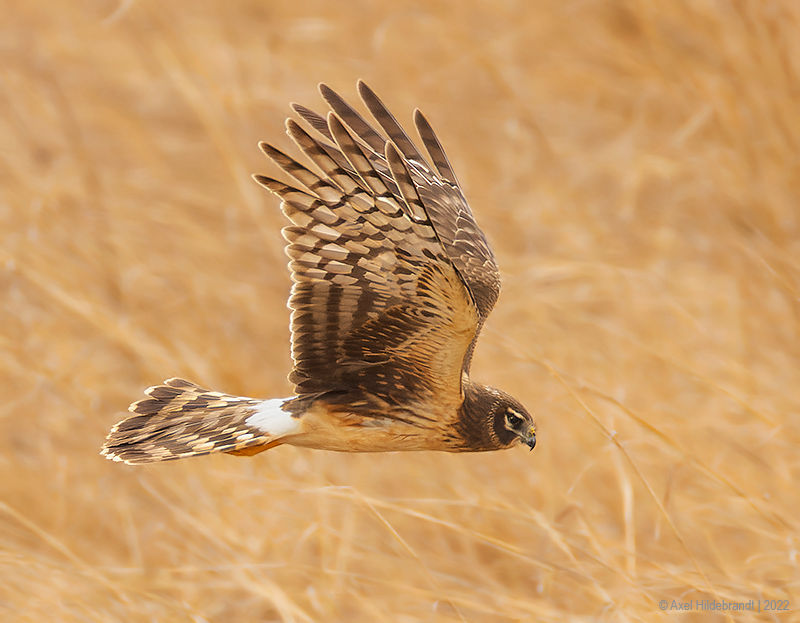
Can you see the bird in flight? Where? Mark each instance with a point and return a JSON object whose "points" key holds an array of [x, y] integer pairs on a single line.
{"points": [[393, 280]]}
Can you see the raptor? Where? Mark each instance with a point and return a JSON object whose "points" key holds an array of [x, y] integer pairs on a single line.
{"points": [[393, 280]]}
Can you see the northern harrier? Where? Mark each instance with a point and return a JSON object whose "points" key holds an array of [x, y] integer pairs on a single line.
{"points": [[393, 281]]}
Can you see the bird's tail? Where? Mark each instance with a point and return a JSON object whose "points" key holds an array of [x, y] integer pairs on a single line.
{"points": [[180, 419]]}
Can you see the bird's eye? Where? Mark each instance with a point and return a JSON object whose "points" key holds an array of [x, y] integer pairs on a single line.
{"points": [[513, 419]]}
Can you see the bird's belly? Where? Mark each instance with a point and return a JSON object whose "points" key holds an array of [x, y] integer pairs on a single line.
{"points": [[367, 441], [342, 431]]}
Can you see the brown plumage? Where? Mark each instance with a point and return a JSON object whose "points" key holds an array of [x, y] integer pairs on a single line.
{"points": [[393, 280]]}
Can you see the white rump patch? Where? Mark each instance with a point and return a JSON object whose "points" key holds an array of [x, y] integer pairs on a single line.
{"points": [[269, 418]]}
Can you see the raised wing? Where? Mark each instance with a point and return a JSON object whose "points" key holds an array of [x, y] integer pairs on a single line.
{"points": [[434, 195], [379, 306], [444, 204]]}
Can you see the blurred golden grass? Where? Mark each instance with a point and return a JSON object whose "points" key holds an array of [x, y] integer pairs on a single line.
{"points": [[636, 166]]}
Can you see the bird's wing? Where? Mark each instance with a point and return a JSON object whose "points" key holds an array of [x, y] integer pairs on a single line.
{"points": [[445, 205], [442, 199], [380, 306]]}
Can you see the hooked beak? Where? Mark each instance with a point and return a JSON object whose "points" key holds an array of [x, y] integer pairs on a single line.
{"points": [[529, 439]]}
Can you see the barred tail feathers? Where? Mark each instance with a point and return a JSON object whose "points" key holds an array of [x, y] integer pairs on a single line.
{"points": [[180, 419]]}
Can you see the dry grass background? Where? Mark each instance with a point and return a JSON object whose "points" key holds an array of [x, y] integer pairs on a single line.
{"points": [[637, 170]]}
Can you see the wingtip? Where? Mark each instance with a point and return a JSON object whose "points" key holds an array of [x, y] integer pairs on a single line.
{"points": [[392, 152], [301, 110], [274, 186], [332, 117], [292, 126], [365, 91], [266, 182], [275, 154]]}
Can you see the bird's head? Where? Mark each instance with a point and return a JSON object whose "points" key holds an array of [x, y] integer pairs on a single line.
{"points": [[490, 419], [512, 422]]}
